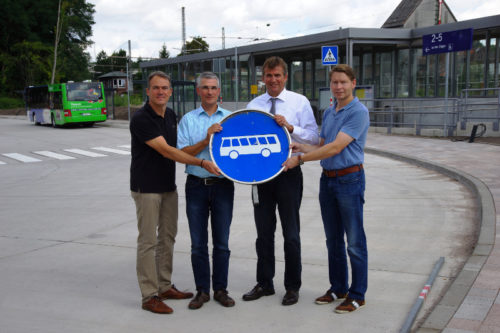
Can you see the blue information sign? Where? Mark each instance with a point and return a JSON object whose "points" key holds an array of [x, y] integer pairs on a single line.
{"points": [[330, 55], [451, 41], [251, 147]]}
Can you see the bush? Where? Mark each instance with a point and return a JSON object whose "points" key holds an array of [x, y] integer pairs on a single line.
{"points": [[122, 100], [11, 102]]}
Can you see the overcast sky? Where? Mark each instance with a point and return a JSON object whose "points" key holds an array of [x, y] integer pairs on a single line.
{"points": [[149, 24]]}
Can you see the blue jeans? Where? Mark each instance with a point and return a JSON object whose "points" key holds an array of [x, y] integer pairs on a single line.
{"points": [[341, 200], [285, 192], [215, 200]]}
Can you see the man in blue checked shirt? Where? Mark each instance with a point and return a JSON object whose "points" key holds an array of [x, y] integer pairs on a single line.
{"points": [[207, 194]]}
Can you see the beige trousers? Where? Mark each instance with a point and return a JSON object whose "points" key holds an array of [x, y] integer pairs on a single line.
{"points": [[157, 224]]}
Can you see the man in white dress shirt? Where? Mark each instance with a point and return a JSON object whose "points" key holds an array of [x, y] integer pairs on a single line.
{"points": [[293, 111]]}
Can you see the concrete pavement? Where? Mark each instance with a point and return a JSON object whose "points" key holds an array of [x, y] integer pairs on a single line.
{"points": [[81, 278], [472, 303]]}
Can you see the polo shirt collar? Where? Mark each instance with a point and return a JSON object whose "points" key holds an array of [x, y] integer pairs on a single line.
{"points": [[348, 106], [151, 111]]}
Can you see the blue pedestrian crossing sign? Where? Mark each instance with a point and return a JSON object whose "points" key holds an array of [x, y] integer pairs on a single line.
{"points": [[330, 55], [251, 147]]}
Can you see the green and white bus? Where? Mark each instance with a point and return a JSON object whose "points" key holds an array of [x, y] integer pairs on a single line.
{"points": [[66, 103]]}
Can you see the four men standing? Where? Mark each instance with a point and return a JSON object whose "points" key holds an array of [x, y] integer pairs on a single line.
{"points": [[340, 149]]}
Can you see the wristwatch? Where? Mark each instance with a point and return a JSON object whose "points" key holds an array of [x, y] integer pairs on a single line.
{"points": [[301, 161]]}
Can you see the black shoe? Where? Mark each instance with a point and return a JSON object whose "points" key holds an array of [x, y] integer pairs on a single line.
{"points": [[198, 301], [223, 298], [257, 292], [291, 297]]}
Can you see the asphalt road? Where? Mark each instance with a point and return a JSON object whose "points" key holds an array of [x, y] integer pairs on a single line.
{"points": [[68, 236]]}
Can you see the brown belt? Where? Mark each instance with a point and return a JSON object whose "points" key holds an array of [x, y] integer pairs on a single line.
{"points": [[343, 172]]}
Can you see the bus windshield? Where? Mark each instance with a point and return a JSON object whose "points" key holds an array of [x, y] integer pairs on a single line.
{"points": [[84, 91]]}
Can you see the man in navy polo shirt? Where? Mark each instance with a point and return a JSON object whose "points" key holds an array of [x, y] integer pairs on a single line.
{"points": [[152, 182], [342, 186]]}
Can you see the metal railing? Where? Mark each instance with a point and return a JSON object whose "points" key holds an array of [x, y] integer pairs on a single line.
{"points": [[416, 114], [473, 108]]}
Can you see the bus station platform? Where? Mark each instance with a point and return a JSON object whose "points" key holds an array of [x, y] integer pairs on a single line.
{"points": [[425, 199]]}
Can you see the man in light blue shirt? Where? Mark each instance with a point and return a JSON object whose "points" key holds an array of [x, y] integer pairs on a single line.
{"points": [[342, 188], [207, 195]]}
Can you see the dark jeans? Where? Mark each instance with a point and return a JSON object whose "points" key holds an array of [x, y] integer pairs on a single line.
{"points": [[341, 200], [284, 191], [216, 200]]}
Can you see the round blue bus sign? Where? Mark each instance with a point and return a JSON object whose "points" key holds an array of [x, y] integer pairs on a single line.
{"points": [[251, 147]]}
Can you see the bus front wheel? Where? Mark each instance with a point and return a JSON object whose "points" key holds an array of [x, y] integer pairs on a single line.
{"points": [[265, 152]]}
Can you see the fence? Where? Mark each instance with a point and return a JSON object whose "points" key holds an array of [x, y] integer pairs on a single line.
{"points": [[437, 116]]}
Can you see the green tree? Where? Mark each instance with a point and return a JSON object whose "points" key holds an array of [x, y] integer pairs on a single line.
{"points": [[163, 54], [196, 45], [119, 61], [27, 36], [102, 64]]}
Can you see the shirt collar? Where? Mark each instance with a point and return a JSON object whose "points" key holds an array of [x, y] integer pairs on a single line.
{"points": [[152, 112], [281, 96], [201, 111], [348, 106]]}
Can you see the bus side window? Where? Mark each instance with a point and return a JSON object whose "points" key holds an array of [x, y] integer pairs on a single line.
{"points": [[235, 143], [253, 141], [262, 140], [271, 139], [226, 143], [244, 141]]}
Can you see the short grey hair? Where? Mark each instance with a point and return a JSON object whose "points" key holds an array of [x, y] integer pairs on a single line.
{"points": [[160, 74], [207, 75]]}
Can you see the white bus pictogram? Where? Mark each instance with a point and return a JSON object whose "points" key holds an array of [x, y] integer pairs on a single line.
{"points": [[264, 145]]}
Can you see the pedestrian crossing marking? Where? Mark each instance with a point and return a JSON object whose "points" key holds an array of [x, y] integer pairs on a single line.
{"points": [[84, 152], [54, 155], [22, 158], [112, 150]]}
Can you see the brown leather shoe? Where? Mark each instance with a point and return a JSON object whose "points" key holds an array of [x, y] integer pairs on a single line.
{"points": [[174, 293], [154, 304], [329, 297], [198, 300], [223, 298]]}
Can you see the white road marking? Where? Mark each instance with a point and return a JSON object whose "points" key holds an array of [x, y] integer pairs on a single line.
{"points": [[54, 155], [112, 150], [22, 158], [84, 152]]}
